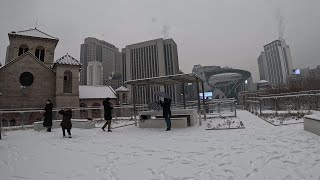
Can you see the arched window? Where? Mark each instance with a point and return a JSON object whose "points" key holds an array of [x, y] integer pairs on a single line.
{"points": [[67, 82], [96, 105], [83, 105], [124, 98], [40, 53], [22, 49], [96, 113], [83, 112]]}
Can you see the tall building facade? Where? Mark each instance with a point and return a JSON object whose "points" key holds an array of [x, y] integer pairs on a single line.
{"points": [[262, 63], [275, 63], [94, 73], [101, 51], [152, 58]]}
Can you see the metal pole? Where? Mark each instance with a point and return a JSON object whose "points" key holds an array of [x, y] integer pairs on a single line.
{"points": [[134, 104], [276, 105], [184, 96], [298, 105], [256, 108], [21, 116], [260, 102], [309, 102], [235, 109], [203, 103], [148, 96], [199, 110]]}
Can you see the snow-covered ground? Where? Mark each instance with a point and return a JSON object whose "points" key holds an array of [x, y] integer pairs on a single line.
{"points": [[260, 151]]}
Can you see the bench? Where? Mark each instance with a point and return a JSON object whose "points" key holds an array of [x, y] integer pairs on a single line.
{"points": [[190, 114], [179, 116], [161, 123], [76, 123], [312, 124]]}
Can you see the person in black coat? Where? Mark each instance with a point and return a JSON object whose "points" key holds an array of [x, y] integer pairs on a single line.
{"points": [[66, 121], [166, 112], [47, 122], [107, 106]]}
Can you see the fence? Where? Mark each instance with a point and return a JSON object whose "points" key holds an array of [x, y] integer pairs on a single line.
{"points": [[24, 118], [284, 104]]}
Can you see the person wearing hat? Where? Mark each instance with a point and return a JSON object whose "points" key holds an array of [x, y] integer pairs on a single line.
{"points": [[107, 106]]}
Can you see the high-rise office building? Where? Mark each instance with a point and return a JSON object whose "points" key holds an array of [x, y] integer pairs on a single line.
{"points": [[275, 63], [94, 73], [98, 50], [152, 58], [263, 70]]}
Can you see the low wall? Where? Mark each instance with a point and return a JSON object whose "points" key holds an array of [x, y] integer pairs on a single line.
{"points": [[176, 113], [312, 124], [160, 123]]}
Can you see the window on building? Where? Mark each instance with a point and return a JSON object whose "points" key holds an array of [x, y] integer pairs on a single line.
{"points": [[22, 49], [40, 52], [67, 82], [97, 106], [83, 105]]}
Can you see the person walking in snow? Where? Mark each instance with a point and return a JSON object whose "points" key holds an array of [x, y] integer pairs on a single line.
{"points": [[66, 121], [107, 106], [47, 122], [166, 112]]}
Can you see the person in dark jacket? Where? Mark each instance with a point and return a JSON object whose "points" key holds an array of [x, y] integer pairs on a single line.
{"points": [[66, 121], [47, 122], [166, 112], [107, 106]]}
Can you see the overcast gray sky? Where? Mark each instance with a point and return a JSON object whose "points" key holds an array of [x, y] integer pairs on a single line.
{"points": [[208, 32]]}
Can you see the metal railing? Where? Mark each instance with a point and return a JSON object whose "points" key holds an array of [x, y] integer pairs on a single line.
{"points": [[301, 103], [11, 119]]}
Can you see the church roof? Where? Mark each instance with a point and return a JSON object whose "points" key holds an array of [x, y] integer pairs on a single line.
{"points": [[96, 92], [33, 33], [122, 89], [68, 60]]}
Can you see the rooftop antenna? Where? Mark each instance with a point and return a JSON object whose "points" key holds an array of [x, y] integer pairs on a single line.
{"points": [[36, 24]]}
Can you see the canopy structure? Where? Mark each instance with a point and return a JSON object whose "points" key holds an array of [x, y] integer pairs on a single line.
{"points": [[166, 80], [171, 80]]}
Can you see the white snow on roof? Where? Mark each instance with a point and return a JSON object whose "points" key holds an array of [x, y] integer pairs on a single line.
{"points": [[34, 33], [67, 59], [263, 81], [122, 89], [96, 92]]}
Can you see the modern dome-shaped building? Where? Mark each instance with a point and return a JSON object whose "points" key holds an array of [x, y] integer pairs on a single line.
{"points": [[226, 79]]}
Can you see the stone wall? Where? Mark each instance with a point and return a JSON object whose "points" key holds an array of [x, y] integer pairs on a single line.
{"points": [[13, 95], [32, 43]]}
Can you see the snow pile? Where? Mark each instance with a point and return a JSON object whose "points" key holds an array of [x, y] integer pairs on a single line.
{"points": [[260, 151]]}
